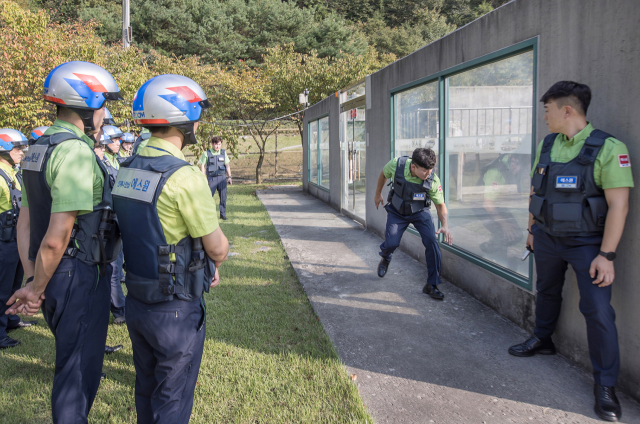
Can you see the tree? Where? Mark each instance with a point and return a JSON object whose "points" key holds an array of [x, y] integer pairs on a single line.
{"points": [[247, 91], [290, 73]]}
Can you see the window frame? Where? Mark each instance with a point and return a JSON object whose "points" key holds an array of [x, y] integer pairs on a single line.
{"points": [[315, 121], [443, 116]]}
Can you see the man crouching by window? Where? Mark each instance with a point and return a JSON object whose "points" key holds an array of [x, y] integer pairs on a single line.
{"points": [[415, 186]]}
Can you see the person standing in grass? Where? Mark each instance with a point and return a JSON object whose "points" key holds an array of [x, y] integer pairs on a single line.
{"points": [[172, 246], [217, 165], [11, 144], [67, 236]]}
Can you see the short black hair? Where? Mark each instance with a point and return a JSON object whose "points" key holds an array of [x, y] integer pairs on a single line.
{"points": [[216, 139], [157, 129], [426, 158], [569, 93]]}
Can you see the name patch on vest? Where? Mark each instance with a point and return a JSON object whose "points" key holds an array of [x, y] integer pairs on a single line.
{"points": [[419, 196], [136, 184], [563, 181], [220, 158], [34, 159]]}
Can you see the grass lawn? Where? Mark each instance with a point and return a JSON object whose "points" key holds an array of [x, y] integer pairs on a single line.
{"points": [[266, 357]]}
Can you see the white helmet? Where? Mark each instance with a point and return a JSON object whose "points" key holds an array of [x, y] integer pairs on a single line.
{"points": [[170, 100], [112, 132], [15, 137], [82, 86], [36, 133]]}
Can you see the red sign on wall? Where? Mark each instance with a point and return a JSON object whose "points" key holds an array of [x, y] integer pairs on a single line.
{"points": [[354, 113]]}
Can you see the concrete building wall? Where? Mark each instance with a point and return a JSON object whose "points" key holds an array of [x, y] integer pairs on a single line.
{"points": [[590, 41]]}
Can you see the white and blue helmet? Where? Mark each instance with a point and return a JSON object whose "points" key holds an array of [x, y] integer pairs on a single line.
{"points": [[11, 138], [37, 132], [81, 86], [108, 118], [112, 133], [170, 100], [127, 138]]}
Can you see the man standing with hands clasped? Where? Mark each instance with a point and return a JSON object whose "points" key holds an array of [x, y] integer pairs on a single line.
{"points": [[415, 186], [214, 164], [579, 203]]}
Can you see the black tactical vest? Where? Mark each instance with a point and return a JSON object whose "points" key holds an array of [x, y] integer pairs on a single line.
{"points": [[151, 276], [566, 200], [215, 164], [409, 198], [95, 238], [9, 219]]}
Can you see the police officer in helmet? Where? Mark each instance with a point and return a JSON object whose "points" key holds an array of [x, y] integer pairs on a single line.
{"points": [[171, 239], [579, 201], [415, 186], [67, 237], [107, 150], [12, 143]]}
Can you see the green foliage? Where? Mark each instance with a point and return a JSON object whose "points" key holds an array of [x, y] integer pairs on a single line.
{"points": [[425, 26], [238, 30]]}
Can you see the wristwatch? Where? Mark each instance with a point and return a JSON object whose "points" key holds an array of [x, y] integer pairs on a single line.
{"points": [[609, 255]]}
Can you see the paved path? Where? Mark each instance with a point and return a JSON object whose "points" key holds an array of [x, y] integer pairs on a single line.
{"points": [[418, 360]]}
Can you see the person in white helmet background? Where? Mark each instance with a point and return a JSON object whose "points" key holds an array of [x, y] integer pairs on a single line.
{"points": [[67, 236], [172, 246], [110, 146], [12, 143]]}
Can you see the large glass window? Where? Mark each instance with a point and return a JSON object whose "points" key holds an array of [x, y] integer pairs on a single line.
{"points": [[319, 152], [417, 123], [488, 154], [417, 120]]}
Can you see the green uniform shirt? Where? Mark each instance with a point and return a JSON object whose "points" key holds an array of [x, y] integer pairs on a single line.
{"points": [[73, 175], [493, 178], [5, 193], [141, 146], [203, 158], [435, 194], [608, 170], [111, 158], [185, 205]]}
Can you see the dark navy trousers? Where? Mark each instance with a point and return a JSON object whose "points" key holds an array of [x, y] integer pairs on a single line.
{"points": [[396, 226], [76, 309], [11, 275], [219, 183], [168, 339], [553, 254], [117, 296]]}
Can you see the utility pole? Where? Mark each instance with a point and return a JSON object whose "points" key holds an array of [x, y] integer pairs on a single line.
{"points": [[126, 26]]}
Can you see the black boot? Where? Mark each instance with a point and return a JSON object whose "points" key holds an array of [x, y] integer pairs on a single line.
{"points": [[108, 350], [8, 342], [607, 405], [382, 267], [533, 346], [433, 291]]}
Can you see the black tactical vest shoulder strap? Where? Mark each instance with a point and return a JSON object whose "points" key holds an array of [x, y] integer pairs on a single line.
{"points": [[592, 146], [402, 161], [547, 145], [10, 182]]}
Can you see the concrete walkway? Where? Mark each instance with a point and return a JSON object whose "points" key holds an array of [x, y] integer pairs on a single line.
{"points": [[418, 360]]}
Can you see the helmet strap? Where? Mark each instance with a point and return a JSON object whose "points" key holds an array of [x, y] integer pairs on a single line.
{"points": [[6, 156], [87, 119], [188, 133]]}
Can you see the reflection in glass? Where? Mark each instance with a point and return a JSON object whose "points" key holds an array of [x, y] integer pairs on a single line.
{"points": [[313, 152], [488, 152], [417, 123], [355, 160], [324, 152]]}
